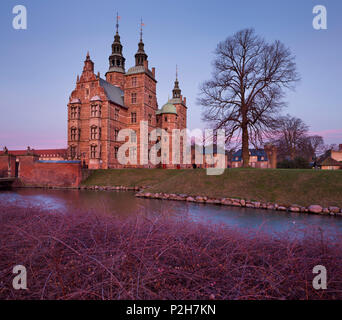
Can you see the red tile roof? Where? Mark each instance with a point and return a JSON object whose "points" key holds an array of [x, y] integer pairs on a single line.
{"points": [[39, 152]]}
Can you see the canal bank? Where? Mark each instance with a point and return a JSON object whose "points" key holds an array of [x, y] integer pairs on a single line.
{"points": [[125, 204]]}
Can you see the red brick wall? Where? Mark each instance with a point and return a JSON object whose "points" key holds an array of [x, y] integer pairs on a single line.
{"points": [[4, 166], [35, 173]]}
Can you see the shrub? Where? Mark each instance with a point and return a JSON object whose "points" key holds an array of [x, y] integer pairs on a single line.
{"points": [[88, 256]]}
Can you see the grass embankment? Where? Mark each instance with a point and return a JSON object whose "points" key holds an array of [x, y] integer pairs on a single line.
{"points": [[282, 186], [88, 256]]}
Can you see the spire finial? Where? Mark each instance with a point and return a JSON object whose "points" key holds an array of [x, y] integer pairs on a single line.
{"points": [[117, 22], [88, 55], [141, 29]]}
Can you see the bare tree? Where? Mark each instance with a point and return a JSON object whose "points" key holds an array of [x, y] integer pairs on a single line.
{"points": [[317, 144], [245, 95], [290, 136]]}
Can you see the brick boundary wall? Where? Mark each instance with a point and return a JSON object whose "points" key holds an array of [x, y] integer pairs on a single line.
{"points": [[35, 173]]}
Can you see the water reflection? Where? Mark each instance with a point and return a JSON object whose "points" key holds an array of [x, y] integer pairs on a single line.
{"points": [[125, 204]]}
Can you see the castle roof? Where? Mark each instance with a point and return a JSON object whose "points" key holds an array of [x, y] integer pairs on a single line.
{"points": [[113, 93], [167, 108], [75, 100], [139, 69], [95, 98]]}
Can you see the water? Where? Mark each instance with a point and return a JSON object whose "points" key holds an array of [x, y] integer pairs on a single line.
{"points": [[125, 204]]}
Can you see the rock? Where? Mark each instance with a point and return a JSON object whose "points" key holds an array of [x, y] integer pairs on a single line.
{"points": [[270, 207], [200, 199], [334, 209], [243, 202], [315, 208], [147, 195], [226, 202], [281, 208], [236, 204], [326, 211], [249, 205], [190, 199], [294, 209], [256, 204]]}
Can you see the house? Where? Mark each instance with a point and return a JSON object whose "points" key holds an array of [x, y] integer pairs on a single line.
{"points": [[332, 160], [258, 158]]}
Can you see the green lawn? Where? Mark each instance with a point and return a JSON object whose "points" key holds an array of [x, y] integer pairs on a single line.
{"points": [[283, 186]]}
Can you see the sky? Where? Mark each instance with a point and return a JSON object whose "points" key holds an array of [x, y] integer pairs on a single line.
{"points": [[39, 65]]}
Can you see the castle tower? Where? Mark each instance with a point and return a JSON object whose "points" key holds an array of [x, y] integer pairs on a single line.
{"points": [[140, 93], [180, 103], [116, 71]]}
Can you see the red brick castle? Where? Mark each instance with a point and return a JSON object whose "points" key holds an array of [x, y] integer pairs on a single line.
{"points": [[98, 109]]}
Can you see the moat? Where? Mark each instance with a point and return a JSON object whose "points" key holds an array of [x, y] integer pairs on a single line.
{"points": [[124, 204]]}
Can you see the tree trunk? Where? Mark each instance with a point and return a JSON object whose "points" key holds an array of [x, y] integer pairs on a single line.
{"points": [[245, 147]]}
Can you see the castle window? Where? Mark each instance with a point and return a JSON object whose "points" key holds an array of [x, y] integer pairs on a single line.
{"points": [[133, 137], [93, 152], [116, 114], [116, 151], [113, 62], [149, 119], [118, 63], [73, 134], [133, 153], [134, 97], [73, 152], [165, 119], [116, 134], [133, 117], [73, 112], [93, 132], [134, 82], [150, 100], [95, 110]]}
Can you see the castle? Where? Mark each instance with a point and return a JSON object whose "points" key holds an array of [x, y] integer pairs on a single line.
{"points": [[99, 108]]}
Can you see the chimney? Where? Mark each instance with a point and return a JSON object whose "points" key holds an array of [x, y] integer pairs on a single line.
{"points": [[154, 72]]}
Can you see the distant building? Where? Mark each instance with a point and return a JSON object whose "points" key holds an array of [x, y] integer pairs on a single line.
{"points": [[43, 154], [258, 158], [332, 160]]}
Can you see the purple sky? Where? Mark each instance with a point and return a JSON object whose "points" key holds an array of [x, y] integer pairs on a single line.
{"points": [[39, 65]]}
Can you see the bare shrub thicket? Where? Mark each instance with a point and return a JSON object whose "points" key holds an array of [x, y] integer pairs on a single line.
{"points": [[87, 256]]}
